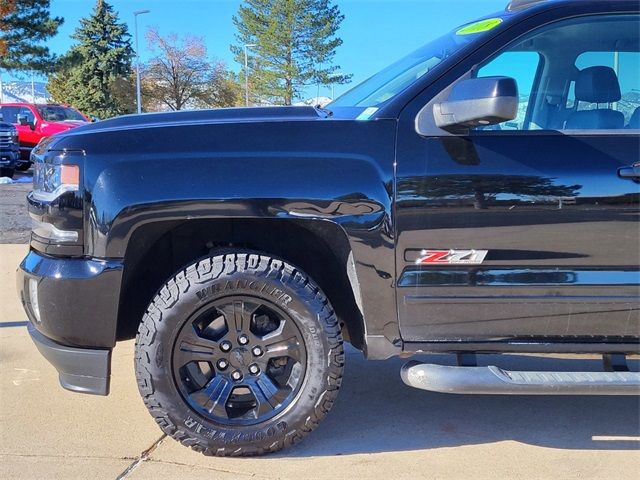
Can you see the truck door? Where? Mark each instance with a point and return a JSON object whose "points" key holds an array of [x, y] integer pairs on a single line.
{"points": [[529, 230]]}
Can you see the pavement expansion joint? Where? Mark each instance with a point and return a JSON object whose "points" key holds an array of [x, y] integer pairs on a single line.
{"points": [[142, 458]]}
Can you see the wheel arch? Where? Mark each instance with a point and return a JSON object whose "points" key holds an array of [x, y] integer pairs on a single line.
{"points": [[321, 248]]}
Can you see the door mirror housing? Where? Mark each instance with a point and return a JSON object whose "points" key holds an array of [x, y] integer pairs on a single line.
{"points": [[477, 102]]}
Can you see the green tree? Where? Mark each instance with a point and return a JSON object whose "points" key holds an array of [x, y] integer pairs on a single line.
{"points": [[24, 27], [295, 42], [96, 75]]}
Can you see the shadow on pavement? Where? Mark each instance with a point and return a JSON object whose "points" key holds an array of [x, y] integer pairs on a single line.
{"points": [[376, 412]]}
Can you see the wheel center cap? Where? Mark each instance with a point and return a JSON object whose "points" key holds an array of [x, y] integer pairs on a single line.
{"points": [[239, 357]]}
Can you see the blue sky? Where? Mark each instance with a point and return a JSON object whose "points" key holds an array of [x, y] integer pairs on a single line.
{"points": [[375, 32]]}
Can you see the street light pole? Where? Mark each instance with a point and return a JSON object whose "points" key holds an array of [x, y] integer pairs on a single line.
{"points": [[246, 73], [331, 77], [138, 95]]}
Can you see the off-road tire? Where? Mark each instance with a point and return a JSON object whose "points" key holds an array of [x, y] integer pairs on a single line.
{"points": [[192, 288], [7, 172]]}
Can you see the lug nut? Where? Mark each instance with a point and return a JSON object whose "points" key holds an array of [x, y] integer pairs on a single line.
{"points": [[222, 364], [243, 339], [236, 375], [254, 369], [257, 351], [225, 346]]}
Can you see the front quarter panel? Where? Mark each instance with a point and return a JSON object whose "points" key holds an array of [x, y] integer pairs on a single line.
{"points": [[329, 170]]}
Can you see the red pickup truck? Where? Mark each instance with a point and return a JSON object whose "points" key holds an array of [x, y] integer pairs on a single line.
{"points": [[36, 121]]}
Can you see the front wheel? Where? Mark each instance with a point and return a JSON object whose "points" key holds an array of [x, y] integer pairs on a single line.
{"points": [[23, 167], [239, 354], [6, 172]]}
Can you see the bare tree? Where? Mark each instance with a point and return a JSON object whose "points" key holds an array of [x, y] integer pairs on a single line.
{"points": [[181, 75]]}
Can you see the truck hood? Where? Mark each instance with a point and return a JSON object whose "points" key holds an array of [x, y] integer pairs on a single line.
{"points": [[221, 115], [51, 128]]}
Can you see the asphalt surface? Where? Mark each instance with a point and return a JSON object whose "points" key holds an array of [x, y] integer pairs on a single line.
{"points": [[378, 429], [15, 225]]}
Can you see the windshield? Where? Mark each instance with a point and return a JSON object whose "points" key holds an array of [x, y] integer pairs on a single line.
{"points": [[58, 113], [389, 82]]}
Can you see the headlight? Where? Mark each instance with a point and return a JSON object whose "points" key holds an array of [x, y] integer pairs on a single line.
{"points": [[55, 204], [52, 178], [14, 135], [48, 230]]}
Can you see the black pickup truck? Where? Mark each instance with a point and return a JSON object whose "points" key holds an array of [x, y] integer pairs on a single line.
{"points": [[9, 149], [479, 195]]}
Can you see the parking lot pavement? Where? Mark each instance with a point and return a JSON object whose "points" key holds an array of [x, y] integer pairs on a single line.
{"points": [[378, 429], [15, 224]]}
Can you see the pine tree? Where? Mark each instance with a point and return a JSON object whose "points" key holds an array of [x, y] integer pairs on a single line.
{"points": [[24, 26], [95, 75], [295, 42]]}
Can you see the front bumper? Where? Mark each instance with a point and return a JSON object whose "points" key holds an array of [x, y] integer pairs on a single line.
{"points": [[83, 370], [8, 159], [72, 304]]}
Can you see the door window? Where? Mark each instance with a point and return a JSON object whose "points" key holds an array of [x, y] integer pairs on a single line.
{"points": [[626, 65], [28, 114], [522, 66], [577, 74]]}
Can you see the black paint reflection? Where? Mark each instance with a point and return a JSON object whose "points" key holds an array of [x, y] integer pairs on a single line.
{"points": [[483, 190], [516, 277]]}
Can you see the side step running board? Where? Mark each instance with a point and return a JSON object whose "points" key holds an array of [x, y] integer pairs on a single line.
{"points": [[494, 380]]}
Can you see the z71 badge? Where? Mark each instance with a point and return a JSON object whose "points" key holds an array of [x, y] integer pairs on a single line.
{"points": [[428, 257]]}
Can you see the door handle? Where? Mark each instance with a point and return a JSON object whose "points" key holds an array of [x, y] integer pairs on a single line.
{"points": [[630, 173]]}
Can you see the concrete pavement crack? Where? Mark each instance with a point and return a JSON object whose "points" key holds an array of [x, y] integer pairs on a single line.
{"points": [[205, 467], [143, 457]]}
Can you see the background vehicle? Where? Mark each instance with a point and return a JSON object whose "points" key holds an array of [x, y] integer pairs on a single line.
{"points": [[9, 150], [37, 121], [458, 201]]}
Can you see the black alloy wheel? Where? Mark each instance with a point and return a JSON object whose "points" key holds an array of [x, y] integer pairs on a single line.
{"points": [[239, 361]]}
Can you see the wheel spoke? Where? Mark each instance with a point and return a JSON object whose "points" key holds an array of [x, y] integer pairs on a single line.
{"points": [[238, 315], [194, 348], [268, 395], [283, 342], [214, 396]]}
